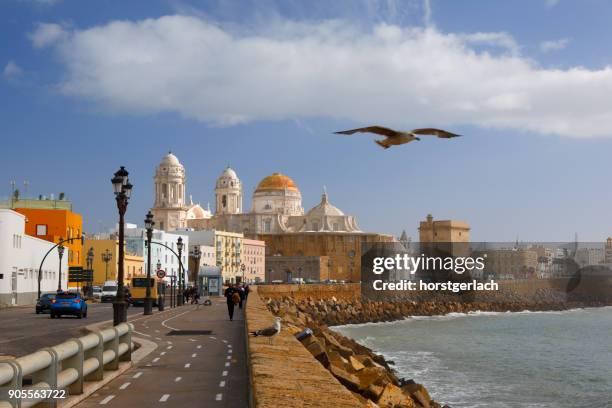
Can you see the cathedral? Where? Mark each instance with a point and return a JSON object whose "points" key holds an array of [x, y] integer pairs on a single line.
{"points": [[276, 205]]}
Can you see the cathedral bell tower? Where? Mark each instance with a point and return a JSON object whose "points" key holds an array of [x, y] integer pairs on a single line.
{"points": [[228, 193], [169, 211]]}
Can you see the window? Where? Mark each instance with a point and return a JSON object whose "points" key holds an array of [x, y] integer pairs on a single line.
{"points": [[267, 225], [41, 229]]}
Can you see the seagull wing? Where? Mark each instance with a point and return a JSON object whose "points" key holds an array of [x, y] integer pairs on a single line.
{"points": [[379, 130], [267, 332], [434, 132]]}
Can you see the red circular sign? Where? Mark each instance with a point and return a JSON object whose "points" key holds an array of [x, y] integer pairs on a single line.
{"points": [[161, 274]]}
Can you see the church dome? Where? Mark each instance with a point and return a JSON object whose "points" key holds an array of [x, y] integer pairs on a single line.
{"points": [[170, 160], [276, 181], [324, 208], [228, 178]]}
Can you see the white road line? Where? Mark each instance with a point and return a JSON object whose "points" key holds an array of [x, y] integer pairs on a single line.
{"points": [[177, 379], [156, 359], [142, 334], [156, 331], [169, 347], [229, 358], [222, 384], [227, 364], [218, 397], [158, 338], [229, 346], [163, 353], [173, 317], [213, 337], [187, 365], [168, 341], [230, 351], [106, 400], [225, 341], [164, 398], [138, 374], [199, 346], [224, 374], [124, 386], [191, 339], [194, 355]]}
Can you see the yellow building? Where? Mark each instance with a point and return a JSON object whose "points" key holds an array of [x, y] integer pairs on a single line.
{"points": [[443, 231], [133, 264]]}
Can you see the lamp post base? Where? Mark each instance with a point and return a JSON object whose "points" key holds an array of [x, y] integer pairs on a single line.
{"points": [[148, 306], [119, 312]]}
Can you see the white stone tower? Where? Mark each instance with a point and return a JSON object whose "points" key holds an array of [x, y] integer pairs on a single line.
{"points": [[169, 209], [228, 193]]}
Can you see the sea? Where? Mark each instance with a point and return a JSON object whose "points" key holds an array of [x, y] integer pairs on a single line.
{"points": [[501, 360]]}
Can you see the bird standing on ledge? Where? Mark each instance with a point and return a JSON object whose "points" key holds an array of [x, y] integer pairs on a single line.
{"points": [[269, 332], [397, 137]]}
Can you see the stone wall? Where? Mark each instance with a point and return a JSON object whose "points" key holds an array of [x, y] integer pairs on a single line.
{"points": [[285, 374], [349, 291]]}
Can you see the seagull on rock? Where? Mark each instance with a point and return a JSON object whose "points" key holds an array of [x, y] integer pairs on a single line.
{"points": [[269, 332], [398, 137]]}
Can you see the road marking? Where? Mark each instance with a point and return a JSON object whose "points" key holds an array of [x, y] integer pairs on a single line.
{"points": [[187, 365], [194, 355], [124, 386], [224, 374], [156, 331], [168, 341], [138, 374], [227, 364], [106, 400], [164, 398], [142, 334], [212, 337], [163, 353], [225, 341], [149, 365], [229, 358], [222, 384], [219, 397], [169, 347], [173, 317], [156, 359], [177, 379], [230, 351], [191, 339], [158, 338], [199, 346], [229, 346]]}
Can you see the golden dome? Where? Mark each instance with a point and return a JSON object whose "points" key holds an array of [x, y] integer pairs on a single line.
{"points": [[277, 181]]}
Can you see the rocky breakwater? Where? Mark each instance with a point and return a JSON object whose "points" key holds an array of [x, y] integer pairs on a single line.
{"points": [[367, 375]]}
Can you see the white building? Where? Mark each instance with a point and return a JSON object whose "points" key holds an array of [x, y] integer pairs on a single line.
{"points": [[135, 239], [20, 257]]}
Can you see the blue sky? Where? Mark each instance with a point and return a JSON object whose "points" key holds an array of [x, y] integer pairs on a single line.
{"points": [[261, 85]]}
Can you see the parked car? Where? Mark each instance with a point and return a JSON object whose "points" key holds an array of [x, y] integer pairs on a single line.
{"points": [[69, 303], [44, 303], [109, 291], [97, 292]]}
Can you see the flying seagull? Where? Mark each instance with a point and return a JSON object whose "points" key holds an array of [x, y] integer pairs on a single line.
{"points": [[269, 332], [397, 137]]}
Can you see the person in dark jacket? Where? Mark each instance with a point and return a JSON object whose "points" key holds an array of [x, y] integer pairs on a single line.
{"points": [[229, 298]]}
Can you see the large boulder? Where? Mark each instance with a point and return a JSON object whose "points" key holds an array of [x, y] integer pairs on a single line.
{"points": [[347, 379], [393, 397]]}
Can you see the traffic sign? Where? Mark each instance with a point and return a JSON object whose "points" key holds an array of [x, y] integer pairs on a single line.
{"points": [[161, 274]]}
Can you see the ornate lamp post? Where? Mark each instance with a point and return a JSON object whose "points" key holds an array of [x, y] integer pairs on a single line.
{"points": [[106, 258], [60, 252], [197, 255], [149, 223], [90, 258], [179, 247], [242, 269], [123, 190]]}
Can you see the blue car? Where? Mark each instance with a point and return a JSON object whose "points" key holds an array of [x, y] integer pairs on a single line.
{"points": [[68, 303], [44, 303]]}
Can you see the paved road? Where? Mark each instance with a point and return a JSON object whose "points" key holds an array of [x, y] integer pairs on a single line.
{"points": [[22, 331], [199, 362]]}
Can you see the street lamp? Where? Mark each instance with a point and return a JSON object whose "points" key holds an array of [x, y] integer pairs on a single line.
{"points": [[123, 190], [197, 255], [60, 251], [107, 256], [90, 258], [243, 268], [149, 223], [179, 246]]}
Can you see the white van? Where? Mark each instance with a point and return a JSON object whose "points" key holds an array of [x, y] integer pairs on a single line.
{"points": [[109, 291]]}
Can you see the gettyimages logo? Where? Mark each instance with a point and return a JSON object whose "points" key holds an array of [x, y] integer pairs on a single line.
{"points": [[412, 264]]}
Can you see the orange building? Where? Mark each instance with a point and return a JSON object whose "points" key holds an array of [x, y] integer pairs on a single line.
{"points": [[55, 224]]}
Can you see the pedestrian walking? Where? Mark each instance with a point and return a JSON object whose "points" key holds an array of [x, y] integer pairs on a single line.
{"points": [[230, 298]]}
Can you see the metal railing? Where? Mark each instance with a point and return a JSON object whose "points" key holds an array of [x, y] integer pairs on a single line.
{"points": [[66, 366]]}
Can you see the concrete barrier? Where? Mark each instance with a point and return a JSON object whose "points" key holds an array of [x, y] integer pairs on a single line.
{"points": [[66, 366]]}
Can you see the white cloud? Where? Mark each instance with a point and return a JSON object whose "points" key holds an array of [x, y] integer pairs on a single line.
{"points": [[46, 34], [553, 45], [396, 76], [12, 70]]}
